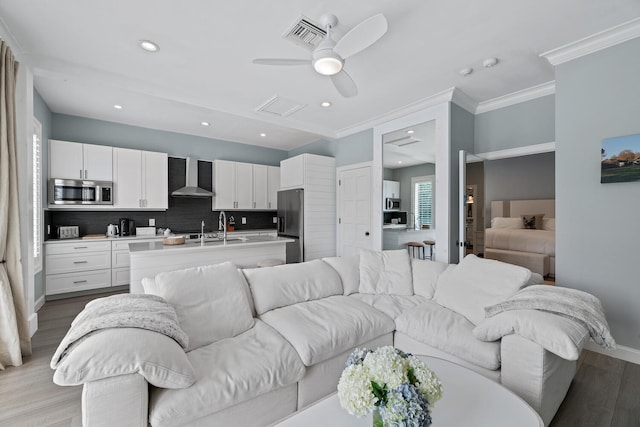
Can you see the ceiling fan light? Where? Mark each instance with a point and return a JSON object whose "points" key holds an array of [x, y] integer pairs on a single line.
{"points": [[326, 62]]}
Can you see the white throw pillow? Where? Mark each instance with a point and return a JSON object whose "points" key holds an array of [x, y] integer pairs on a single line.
{"points": [[348, 268], [425, 276], [549, 224], [503, 222], [210, 302], [121, 351], [476, 283], [386, 272], [283, 285], [559, 335], [149, 285]]}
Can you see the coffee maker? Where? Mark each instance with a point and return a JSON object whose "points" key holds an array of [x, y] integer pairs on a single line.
{"points": [[127, 227]]}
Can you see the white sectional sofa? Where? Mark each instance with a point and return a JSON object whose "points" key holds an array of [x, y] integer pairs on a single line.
{"points": [[266, 342]]}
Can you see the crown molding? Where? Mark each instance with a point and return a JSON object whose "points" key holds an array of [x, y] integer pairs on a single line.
{"points": [[438, 98], [598, 41], [528, 94], [464, 101], [546, 147]]}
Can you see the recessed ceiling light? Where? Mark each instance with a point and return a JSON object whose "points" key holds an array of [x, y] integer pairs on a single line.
{"points": [[466, 71], [325, 104], [117, 107], [263, 134], [399, 162], [410, 131], [149, 46], [490, 62], [205, 123]]}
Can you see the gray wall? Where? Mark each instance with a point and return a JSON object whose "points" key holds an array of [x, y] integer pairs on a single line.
{"points": [[597, 224], [528, 123], [404, 175], [525, 177], [81, 129], [43, 115], [356, 148]]}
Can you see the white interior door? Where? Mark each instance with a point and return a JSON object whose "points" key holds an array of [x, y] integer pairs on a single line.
{"points": [[354, 216]]}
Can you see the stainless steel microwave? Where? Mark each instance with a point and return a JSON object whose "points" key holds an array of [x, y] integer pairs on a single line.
{"points": [[79, 192], [391, 204]]}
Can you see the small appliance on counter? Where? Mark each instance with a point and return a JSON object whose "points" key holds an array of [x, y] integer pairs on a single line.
{"points": [[113, 230], [127, 227], [67, 232]]}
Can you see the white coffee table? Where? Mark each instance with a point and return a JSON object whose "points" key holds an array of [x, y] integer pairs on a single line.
{"points": [[469, 399]]}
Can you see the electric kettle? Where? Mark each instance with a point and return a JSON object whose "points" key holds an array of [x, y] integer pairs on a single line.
{"points": [[112, 230]]}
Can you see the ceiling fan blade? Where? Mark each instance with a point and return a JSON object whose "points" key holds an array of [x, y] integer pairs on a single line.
{"points": [[281, 61], [362, 36], [344, 84]]}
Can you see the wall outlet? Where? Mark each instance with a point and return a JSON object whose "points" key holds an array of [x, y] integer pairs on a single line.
{"points": [[275, 219], [244, 219], [152, 222]]}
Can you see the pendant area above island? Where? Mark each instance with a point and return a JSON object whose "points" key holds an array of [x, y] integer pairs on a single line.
{"points": [[152, 258]]}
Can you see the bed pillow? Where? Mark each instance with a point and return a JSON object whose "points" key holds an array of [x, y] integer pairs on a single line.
{"points": [[476, 283], [385, 272], [549, 224], [348, 267], [121, 351], [532, 221], [504, 222], [210, 302]]}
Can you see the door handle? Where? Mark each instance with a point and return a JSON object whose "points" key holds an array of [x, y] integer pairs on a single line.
{"points": [[366, 233]]}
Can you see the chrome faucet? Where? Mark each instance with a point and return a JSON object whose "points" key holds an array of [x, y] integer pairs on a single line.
{"points": [[202, 233], [222, 225]]}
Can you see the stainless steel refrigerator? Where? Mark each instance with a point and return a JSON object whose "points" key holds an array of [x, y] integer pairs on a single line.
{"points": [[291, 222]]}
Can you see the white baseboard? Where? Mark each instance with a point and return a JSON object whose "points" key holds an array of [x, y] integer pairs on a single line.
{"points": [[33, 324], [39, 303], [620, 352]]}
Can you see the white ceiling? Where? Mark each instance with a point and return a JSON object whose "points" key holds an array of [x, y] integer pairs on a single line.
{"points": [[85, 57]]}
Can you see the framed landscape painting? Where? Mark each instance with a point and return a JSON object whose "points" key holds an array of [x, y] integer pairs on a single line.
{"points": [[620, 159]]}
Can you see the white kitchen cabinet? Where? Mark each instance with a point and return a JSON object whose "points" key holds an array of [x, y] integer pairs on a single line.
{"points": [[391, 189], [77, 266], [274, 187], [224, 185], [292, 173], [73, 160], [260, 186], [244, 186], [140, 179]]}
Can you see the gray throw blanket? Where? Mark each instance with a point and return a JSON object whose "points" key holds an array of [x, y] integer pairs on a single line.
{"points": [[571, 303], [142, 311]]}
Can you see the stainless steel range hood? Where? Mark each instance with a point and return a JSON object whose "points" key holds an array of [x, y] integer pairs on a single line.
{"points": [[191, 188]]}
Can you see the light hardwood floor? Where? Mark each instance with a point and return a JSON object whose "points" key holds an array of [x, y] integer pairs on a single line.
{"points": [[604, 393]]}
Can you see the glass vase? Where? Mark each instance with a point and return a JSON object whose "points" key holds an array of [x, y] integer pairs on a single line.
{"points": [[377, 418]]}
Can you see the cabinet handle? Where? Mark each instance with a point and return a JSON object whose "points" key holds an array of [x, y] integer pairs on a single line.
{"points": [[80, 173], [79, 281], [254, 205], [81, 247], [269, 205], [80, 262], [86, 175]]}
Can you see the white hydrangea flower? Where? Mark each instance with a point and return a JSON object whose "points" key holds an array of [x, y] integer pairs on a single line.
{"points": [[428, 383], [355, 392], [386, 366]]}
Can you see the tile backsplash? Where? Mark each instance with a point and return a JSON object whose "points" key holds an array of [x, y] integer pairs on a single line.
{"points": [[184, 213]]}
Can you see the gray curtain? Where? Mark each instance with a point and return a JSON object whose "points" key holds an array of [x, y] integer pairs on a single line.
{"points": [[14, 330]]}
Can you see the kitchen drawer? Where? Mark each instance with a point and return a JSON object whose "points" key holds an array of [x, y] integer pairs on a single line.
{"points": [[120, 276], [69, 263], [123, 245], [120, 259], [77, 247], [73, 282]]}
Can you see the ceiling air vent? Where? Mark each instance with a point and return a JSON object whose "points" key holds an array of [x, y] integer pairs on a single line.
{"points": [[402, 141], [279, 106], [306, 33]]}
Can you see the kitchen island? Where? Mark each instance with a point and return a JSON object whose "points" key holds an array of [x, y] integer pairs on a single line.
{"points": [[151, 258]]}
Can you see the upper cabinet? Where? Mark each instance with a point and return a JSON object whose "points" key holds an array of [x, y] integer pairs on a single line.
{"points": [[72, 160], [242, 186], [391, 189], [274, 186], [140, 179]]}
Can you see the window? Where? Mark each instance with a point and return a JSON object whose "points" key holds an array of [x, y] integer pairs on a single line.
{"points": [[423, 201], [37, 196]]}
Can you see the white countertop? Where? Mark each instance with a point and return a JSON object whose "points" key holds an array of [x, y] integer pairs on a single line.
{"points": [[235, 242], [159, 237]]}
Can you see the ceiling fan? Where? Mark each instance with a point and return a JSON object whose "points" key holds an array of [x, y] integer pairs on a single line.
{"points": [[329, 57]]}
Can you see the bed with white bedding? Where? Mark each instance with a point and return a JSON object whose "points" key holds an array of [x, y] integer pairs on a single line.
{"points": [[508, 240]]}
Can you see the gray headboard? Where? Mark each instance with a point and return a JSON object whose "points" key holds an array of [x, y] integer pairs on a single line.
{"points": [[515, 208]]}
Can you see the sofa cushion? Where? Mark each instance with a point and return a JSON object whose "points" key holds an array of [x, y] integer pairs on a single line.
{"points": [[425, 276], [321, 329], [391, 305], [284, 285], [348, 268], [476, 283], [210, 302], [228, 372], [120, 351], [448, 331], [385, 272]]}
